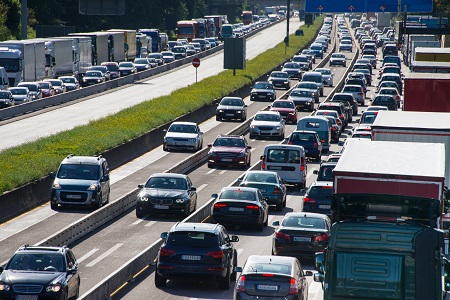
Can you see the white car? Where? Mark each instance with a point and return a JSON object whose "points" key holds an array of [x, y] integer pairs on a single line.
{"points": [[183, 136], [327, 76], [267, 124], [338, 59]]}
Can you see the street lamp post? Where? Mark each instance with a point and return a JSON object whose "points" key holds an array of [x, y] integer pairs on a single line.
{"points": [[24, 20]]}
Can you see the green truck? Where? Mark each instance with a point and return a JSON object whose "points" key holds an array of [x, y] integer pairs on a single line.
{"points": [[384, 244]]}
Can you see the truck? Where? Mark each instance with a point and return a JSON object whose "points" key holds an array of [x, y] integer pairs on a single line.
{"points": [[408, 50], [432, 54], [24, 60], [247, 17], [271, 10], [116, 45], [81, 54], [156, 38], [218, 22], [201, 24], [187, 30], [58, 57], [384, 242], [422, 44], [100, 51], [143, 45], [210, 28], [130, 43], [383, 19], [425, 92]]}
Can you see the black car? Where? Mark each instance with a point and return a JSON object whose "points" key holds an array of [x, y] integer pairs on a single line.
{"points": [[385, 100], [341, 97], [310, 141], [280, 79], [166, 193], [301, 234], [38, 272], [6, 99], [325, 173], [317, 198], [263, 90], [240, 206], [92, 77], [339, 108], [197, 250], [231, 108]]}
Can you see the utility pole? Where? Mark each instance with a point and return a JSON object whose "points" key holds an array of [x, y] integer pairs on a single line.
{"points": [[24, 20], [288, 16]]}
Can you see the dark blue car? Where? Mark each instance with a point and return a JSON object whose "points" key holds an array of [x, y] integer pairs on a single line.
{"points": [[310, 141]]}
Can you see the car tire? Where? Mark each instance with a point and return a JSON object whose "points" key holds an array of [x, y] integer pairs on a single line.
{"points": [[318, 158], [234, 274], [260, 227], [284, 202], [139, 214], [225, 282], [77, 295], [210, 166], [165, 148], [252, 136], [160, 281], [53, 206], [99, 204], [218, 119], [107, 199], [279, 207]]}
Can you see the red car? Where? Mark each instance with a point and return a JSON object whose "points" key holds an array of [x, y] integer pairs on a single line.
{"points": [[229, 150], [47, 89], [287, 109]]}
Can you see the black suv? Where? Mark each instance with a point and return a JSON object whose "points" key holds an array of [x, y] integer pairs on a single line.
{"points": [[197, 250], [231, 108], [40, 273], [317, 198], [325, 173], [81, 181], [340, 97]]}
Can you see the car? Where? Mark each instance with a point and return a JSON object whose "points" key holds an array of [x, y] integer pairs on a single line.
{"points": [[229, 150], [372, 58], [318, 49], [183, 136], [310, 141], [287, 109], [327, 75], [270, 277], [6, 99], [230, 108], [325, 172], [168, 56], [368, 117], [346, 97], [310, 54], [317, 198], [33, 88], [166, 193], [314, 77], [47, 89], [103, 69], [58, 85], [338, 107], [357, 92], [81, 181], [390, 69], [92, 77], [362, 134], [190, 50], [338, 59], [393, 77], [366, 73], [240, 206], [201, 41], [302, 98], [152, 62], [304, 62], [345, 45], [357, 81], [301, 234], [126, 68], [269, 184], [40, 272], [70, 82], [262, 90], [20, 94], [280, 79], [392, 92], [197, 46], [172, 44], [141, 64], [267, 124], [313, 87], [385, 100], [158, 56], [390, 84], [335, 126], [212, 41], [197, 250], [113, 69], [293, 69], [334, 158], [376, 108], [179, 52]]}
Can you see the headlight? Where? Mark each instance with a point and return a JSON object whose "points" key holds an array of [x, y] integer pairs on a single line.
{"points": [[54, 288], [56, 186], [93, 187], [181, 200], [143, 198], [99, 80], [239, 111], [278, 127], [4, 287]]}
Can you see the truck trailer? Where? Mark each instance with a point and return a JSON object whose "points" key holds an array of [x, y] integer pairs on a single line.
{"points": [[100, 46], [218, 22], [156, 38], [81, 53], [187, 30], [432, 54], [383, 19], [59, 58], [24, 60], [426, 92], [384, 243], [129, 44]]}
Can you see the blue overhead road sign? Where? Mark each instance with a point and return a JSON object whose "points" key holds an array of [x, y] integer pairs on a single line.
{"points": [[342, 6]]}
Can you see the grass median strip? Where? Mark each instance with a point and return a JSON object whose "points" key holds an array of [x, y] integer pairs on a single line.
{"points": [[28, 162]]}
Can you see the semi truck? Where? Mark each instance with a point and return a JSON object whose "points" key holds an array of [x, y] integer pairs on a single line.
{"points": [[143, 45], [383, 19], [116, 45], [270, 10], [384, 243], [129, 44], [81, 53], [247, 17], [425, 92], [408, 48], [432, 54], [156, 38], [187, 30], [100, 47], [218, 22], [59, 58], [24, 60]]}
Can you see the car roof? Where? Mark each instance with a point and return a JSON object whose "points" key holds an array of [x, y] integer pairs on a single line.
{"points": [[305, 214], [183, 123], [172, 175], [271, 259], [234, 188], [322, 183], [269, 112], [81, 160]]}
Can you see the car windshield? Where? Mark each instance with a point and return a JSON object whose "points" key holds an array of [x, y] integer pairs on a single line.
{"points": [[237, 195], [93, 74], [126, 64], [167, 183], [321, 192], [229, 142], [325, 173], [388, 92], [267, 117], [55, 82], [263, 86], [303, 222], [37, 262], [155, 55], [336, 55], [192, 239], [346, 42], [44, 85], [232, 102], [291, 66], [141, 61], [179, 49], [260, 177], [295, 93], [99, 68], [279, 75], [383, 100], [300, 59], [68, 80], [267, 268], [78, 171], [167, 54], [341, 98], [304, 137], [368, 118], [325, 72], [283, 104], [31, 87], [307, 86], [112, 67], [183, 128], [18, 91]]}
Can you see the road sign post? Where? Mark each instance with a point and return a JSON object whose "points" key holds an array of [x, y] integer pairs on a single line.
{"points": [[196, 64], [351, 8]]}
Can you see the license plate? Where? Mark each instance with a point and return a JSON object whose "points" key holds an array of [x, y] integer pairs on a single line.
{"points": [[27, 297], [229, 115], [265, 287], [191, 257], [325, 206], [157, 206], [73, 196], [300, 105], [301, 239], [227, 159], [261, 96], [236, 209], [275, 168]]}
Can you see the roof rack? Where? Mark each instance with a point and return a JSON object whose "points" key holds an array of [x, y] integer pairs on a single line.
{"points": [[23, 247], [70, 156]]}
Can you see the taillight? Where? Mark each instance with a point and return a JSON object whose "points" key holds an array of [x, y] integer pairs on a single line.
{"points": [[220, 205], [263, 165], [252, 207], [323, 141], [166, 252], [316, 145], [321, 238], [240, 286], [290, 143], [216, 254], [302, 167], [338, 121], [341, 116], [277, 191], [333, 129], [281, 235], [309, 200], [294, 287]]}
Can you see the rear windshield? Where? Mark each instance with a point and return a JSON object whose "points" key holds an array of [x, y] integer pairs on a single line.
{"points": [[192, 239], [325, 173], [304, 222], [238, 195], [283, 156], [267, 268], [304, 137], [320, 192]]}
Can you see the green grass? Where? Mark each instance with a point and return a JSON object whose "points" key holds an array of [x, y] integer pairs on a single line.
{"points": [[25, 163]]}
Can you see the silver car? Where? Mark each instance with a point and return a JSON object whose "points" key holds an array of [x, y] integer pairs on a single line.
{"points": [[327, 76], [267, 124], [20, 95], [183, 136], [356, 91]]}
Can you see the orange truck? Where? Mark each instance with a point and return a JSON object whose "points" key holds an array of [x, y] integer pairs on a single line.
{"points": [[187, 30], [247, 17]]}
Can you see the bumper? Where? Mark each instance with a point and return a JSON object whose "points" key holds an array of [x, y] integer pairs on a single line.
{"points": [[227, 219], [230, 114], [244, 296], [274, 199], [75, 198], [235, 161], [169, 270], [266, 133], [316, 208], [305, 105], [255, 97], [299, 250], [312, 152], [337, 62], [180, 145], [281, 84], [147, 207], [41, 296], [346, 49]]}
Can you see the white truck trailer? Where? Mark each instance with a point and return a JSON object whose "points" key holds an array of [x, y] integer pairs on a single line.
{"points": [[81, 52], [100, 46], [58, 57], [130, 43], [384, 19], [24, 60]]}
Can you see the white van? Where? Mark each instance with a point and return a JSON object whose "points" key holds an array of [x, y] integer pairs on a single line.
{"points": [[288, 161]]}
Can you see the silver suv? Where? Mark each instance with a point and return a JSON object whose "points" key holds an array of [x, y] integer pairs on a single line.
{"points": [[81, 181]]}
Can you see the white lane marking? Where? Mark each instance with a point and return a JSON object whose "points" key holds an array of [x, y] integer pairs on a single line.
{"points": [[210, 171], [150, 223], [289, 198], [201, 187], [269, 221], [222, 172], [104, 255], [87, 255], [139, 221], [314, 287], [239, 251]]}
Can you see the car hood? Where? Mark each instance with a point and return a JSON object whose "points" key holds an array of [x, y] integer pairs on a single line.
{"points": [[92, 78], [30, 277], [181, 135], [70, 84], [302, 99], [282, 109], [19, 97], [230, 107], [74, 184], [290, 70], [164, 193], [261, 91], [265, 123], [140, 65], [227, 149], [126, 68], [278, 79]]}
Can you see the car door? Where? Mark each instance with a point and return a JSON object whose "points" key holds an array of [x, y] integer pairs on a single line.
{"points": [[227, 248], [264, 206], [192, 194], [72, 277]]}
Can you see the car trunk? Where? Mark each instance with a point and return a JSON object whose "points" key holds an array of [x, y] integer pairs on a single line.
{"points": [[267, 285]]}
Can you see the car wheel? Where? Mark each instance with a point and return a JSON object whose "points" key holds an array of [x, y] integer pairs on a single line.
{"points": [[139, 214], [160, 281], [281, 136], [280, 207], [318, 158], [53, 206], [225, 282], [211, 166], [252, 136], [284, 202], [165, 148], [260, 227], [107, 199], [99, 202], [217, 119], [77, 294], [234, 274], [244, 118]]}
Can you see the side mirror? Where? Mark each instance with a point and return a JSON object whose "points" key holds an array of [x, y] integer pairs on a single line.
{"points": [[319, 263], [318, 277], [1, 269], [316, 171], [52, 175], [193, 189], [105, 178], [309, 273], [214, 196], [200, 132], [72, 271], [238, 269], [141, 186], [276, 223], [249, 147], [164, 235], [234, 238], [245, 105], [165, 130], [209, 145]]}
